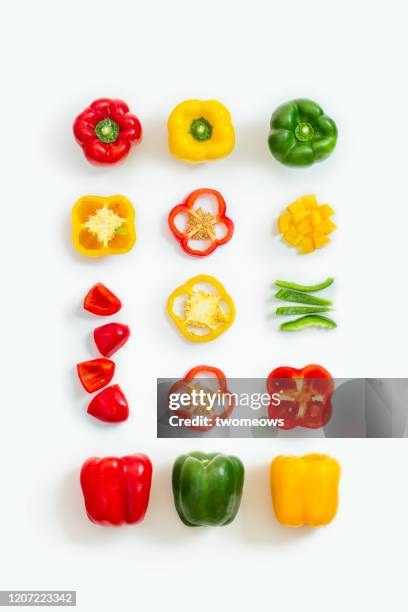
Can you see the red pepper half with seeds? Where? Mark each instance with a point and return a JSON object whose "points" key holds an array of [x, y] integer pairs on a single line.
{"points": [[305, 396], [201, 231], [106, 131], [116, 489]]}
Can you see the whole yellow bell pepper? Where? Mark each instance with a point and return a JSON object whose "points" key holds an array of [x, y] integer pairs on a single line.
{"points": [[103, 225], [200, 131], [204, 314], [305, 489]]}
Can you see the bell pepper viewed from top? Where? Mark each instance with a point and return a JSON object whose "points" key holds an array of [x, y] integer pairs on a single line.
{"points": [[103, 225], [305, 489], [200, 131], [199, 235], [201, 308], [199, 379], [110, 405], [95, 374], [207, 489], [305, 396], [111, 337], [101, 301], [116, 490], [106, 131], [301, 134]]}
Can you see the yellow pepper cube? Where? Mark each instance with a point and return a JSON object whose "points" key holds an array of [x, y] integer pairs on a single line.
{"points": [[292, 236], [319, 239], [315, 218], [295, 206], [306, 245], [284, 222], [326, 211], [327, 227], [305, 489], [309, 202], [305, 226]]}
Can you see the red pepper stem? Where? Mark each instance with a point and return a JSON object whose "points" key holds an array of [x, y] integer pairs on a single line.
{"points": [[107, 130]]}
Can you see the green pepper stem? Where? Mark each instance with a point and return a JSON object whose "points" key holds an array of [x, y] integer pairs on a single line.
{"points": [[304, 131], [107, 130], [201, 129]]}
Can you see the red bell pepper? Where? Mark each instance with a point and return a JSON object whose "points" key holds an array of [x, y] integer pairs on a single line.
{"points": [[106, 130], [305, 396], [110, 405], [116, 489], [96, 373], [194, 379], [200, 225], [111, 337], [101, 301]]}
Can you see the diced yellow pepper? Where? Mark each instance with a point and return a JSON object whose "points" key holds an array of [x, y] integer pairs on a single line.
{"points": [[327, 227], [309, 202], [305, 226], [326, 210], [284, 222], [319, 239], [301, 214], [295, 206], [306, 245], [292, 236], [315, 218]]}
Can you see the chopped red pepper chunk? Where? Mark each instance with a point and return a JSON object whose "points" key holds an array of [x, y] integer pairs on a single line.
{"points": [[96, 373], [101, 301], [110, 405], [111, 337]]}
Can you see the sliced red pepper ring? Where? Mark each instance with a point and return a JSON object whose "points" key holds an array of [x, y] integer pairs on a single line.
{"points": [[101, 301], [203, 230], [305, 396], [194, 380], [110, 405], [96, 373], [111, 337]]}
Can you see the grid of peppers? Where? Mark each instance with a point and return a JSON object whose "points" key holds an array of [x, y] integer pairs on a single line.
{"points": [[303, 294]]}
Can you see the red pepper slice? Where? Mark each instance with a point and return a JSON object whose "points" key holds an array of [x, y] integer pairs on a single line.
{"points": [[116, 489], [101, 301], [200, 224], [96, 373], [106, 131], [188, 384], [305, 396], [111, 337], [110, 405]]}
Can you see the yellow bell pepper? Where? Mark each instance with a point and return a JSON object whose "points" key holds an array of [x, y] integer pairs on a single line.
{"points": [[200, 130], [201, 313], [103, 225], [305, 489]]}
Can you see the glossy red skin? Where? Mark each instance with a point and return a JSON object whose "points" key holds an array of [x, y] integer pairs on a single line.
{"points": [[116, 489], [110, 405], [111, 337], [101, 301], [222, 382], [303, 411], [96, 373], [187, 205], [102, 153]]}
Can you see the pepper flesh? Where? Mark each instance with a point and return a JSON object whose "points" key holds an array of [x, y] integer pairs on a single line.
{"points": [[111, 337], [116, 490], [302, 298], [95, 374], [101, 301], [308, 321], [207, 488], [110, 405], [294, 310], [301, 134], [200, 131], [306, 225], [305, 489], [306, 288], [103, 225]]}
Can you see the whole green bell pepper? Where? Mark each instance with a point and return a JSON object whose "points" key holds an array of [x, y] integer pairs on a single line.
{"points": [[301, 133], [207, 488]]}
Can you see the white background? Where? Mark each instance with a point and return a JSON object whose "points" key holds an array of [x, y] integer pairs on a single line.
{"points": [[57, 58]]}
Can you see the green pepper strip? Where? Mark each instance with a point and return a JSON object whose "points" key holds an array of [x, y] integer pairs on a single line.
{"points": [[307, 288], [297, 310], [308, 321], [302, 298]]}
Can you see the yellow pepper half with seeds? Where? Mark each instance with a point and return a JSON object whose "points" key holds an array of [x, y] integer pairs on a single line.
{"points": [[201, 313], [305, 489], [200, 130], [103, 225]]}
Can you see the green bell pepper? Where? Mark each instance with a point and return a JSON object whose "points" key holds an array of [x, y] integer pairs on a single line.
{"points": [[301, 134], [207, 489]]}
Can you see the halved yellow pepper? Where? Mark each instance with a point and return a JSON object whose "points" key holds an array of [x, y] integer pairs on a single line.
{"points": [[305, 489], [200, 131], [211, 312], [103, 225]]}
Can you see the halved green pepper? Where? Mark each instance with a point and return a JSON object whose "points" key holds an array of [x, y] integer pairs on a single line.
{"points": [[301, 134], [207, 488]]}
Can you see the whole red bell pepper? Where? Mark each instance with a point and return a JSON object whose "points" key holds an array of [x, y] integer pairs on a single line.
{"points": [[199, 224], [305, 396], [96, 373], [111, 337], [106, 130], [101, 301], [116, 489], [110, 405]]}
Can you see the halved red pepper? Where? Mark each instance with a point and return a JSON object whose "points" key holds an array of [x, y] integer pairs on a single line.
{"points": [[96, 373], [188, 384], [116, 489], [110, 405], [101, 301], [111, 337], [305, 396], [200, 225]]}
